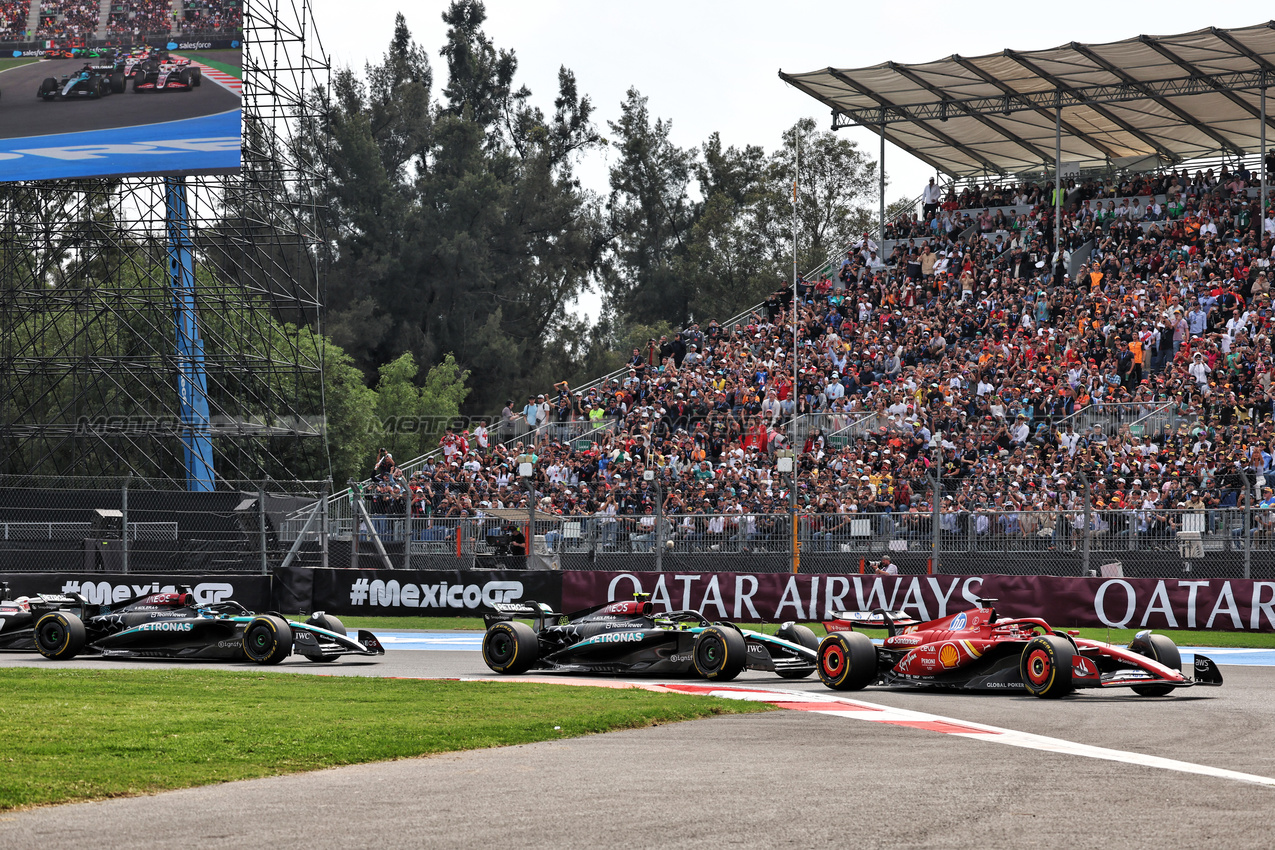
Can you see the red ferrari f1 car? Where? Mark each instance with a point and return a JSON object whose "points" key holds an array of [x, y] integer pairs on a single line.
{"points": [[977, 650]]}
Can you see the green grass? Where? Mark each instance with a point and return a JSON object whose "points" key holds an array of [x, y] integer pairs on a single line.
{"points": [[225, 67], [91, 734], [6, 64], [1182, 637]]}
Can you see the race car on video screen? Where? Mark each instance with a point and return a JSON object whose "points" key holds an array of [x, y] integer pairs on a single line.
{"points": [[91, 81], [171, 625], [166, 74], [977, 650], [628, 638]]}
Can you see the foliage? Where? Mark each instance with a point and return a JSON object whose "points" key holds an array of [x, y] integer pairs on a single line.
{"points": [[460, 226]]}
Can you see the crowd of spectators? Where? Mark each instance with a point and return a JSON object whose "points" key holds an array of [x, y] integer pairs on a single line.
{"points": [[946, 209], [67, 19], [969, 354], [211, 16], [141, 17], [13, 19]]}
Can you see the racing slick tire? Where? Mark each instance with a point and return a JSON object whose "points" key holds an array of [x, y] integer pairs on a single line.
{"points": [[196, 77], [1045, 666], [267, 640], [59, 635], [1158, 648], [510, 647], [49, 88], [118, 83], [720, 653], [138, 79], [332, 624], [799, 635], [847, 661]]}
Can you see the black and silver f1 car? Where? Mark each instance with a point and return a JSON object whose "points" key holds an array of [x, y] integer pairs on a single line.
{"points": [[172, 625], [628, 638], [91, 81]]}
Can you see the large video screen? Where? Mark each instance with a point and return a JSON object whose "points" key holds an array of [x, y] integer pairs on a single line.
{"points": [[124, 104]]}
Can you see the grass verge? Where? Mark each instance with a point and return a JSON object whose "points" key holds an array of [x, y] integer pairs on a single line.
{"points": [[1182, 637], [89, 734], [6, 64]]}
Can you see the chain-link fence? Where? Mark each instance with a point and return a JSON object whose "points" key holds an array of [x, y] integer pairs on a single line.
{"points": [[129, 527], [253, 529]]}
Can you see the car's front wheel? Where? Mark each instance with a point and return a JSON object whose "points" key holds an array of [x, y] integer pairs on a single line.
{"points": [[802, 636], [267, 640], [1159, 648]]}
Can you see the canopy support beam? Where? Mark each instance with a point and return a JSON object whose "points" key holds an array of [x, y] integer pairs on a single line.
{"points": [[938, 134], [1071, 129], [1182, 114], [1196, 72], [1101, 110], [1036, 152]]}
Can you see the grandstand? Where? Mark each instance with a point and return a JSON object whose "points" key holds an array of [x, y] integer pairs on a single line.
{"points": [[68, 19], [140, 18], [13, 19], [1017, 370]]}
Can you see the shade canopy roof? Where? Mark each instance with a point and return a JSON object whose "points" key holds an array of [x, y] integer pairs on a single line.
{"points": [[1131, 103]]}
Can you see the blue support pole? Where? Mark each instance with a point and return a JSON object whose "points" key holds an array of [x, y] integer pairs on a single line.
{"points": [[192, 382]]}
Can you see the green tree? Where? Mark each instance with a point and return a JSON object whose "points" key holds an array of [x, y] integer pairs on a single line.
{"points": [[650, 215], [837, 191]]}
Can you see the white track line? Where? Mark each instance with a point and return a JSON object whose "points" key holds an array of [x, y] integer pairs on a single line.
{"points": [[874, 713]]}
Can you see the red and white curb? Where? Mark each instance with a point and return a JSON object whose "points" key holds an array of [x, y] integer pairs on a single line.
{"points": [[221, 78], [873, 713]]}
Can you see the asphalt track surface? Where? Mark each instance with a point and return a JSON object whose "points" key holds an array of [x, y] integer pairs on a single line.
{"points": [[784, 779], [23, 114]]}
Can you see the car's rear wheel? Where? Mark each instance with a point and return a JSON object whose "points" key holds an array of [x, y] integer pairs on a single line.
{"points": [[802, 636], [1045, 666], [1159, 648], [267, 640], [510, 647], [847, 661], [59, 635], [720, 653], [196, 77]]}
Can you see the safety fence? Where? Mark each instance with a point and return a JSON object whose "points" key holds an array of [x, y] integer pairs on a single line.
{"points": [[242, 531]]}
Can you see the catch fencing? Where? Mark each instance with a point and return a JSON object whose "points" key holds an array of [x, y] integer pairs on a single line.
{"points": [[257, 529]]}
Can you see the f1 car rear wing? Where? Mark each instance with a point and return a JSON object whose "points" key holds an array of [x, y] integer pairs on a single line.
{"points": [[877, 618], [529, 610]]}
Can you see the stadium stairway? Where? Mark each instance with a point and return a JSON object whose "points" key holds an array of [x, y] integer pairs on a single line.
{"points": [[103, 16], [33, 18]]}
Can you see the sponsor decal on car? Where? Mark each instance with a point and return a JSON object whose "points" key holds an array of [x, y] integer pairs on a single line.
{"points": [[958, 622], [949, 655], [165, 627], [615, 637]]}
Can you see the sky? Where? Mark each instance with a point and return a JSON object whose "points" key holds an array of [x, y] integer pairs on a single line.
{"points": [[714, 66]]}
